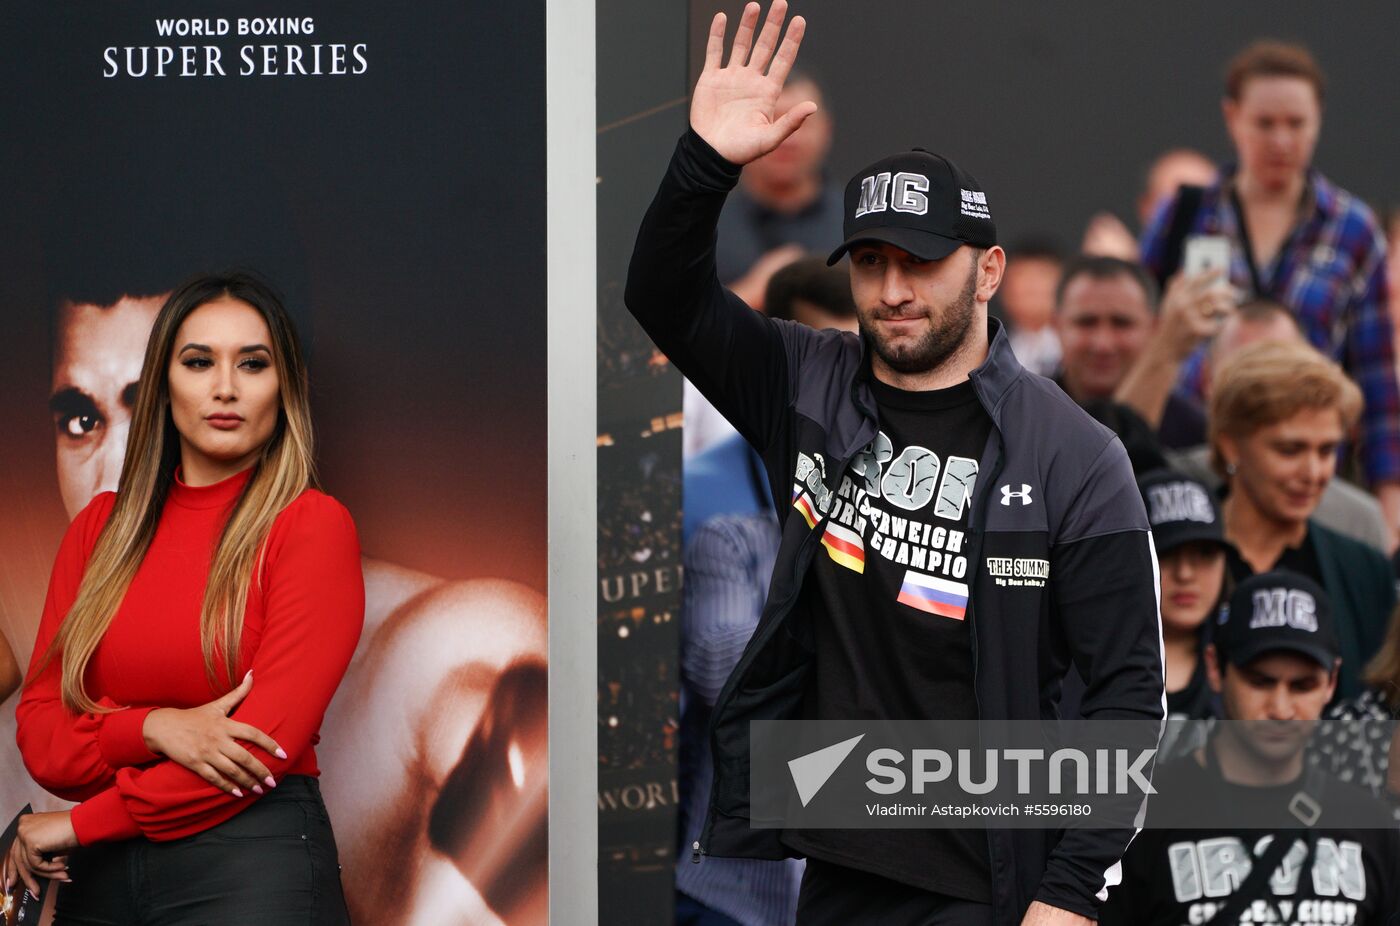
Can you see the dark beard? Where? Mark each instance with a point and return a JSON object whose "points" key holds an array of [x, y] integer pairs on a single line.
{"points": [[942, 340]]}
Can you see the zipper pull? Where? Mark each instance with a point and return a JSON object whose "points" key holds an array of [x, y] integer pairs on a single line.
{"points": [[696, 852]]}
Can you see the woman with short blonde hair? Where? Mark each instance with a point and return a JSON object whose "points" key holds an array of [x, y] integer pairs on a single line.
{"points": [[1279, 413], [1271, 381]]}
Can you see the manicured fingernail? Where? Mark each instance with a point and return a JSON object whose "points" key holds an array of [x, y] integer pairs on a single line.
{"points": [[271, 783], [257, 789], [237, 793], [279, 753]]}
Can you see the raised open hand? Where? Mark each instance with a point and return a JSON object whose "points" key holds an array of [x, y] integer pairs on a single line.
{"points": [[733, 106]]}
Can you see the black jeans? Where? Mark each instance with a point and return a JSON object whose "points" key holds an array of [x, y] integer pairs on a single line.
{"points": [[275, 863], [835, 894]]}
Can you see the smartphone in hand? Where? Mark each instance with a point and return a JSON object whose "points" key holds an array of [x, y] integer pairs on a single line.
{"points": [[1206, 252]]}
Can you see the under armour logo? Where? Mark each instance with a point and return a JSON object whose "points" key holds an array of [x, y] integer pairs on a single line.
{"points": [[1024, 495]]}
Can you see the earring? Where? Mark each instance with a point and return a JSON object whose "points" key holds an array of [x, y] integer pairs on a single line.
{"points": [[1229, 469]]}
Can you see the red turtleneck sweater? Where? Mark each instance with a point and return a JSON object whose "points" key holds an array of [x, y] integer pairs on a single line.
{"points": [[299, 632]]}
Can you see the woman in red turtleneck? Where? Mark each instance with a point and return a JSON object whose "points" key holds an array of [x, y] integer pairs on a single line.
{"points": [[197, 624]]}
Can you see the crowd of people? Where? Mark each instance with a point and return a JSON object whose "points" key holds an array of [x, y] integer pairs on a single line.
{"points": [[1258, 405]]}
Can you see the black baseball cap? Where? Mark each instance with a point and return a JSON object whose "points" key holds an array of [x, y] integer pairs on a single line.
{"points": [[919, 202], [1277, 611], [1180, 510]]}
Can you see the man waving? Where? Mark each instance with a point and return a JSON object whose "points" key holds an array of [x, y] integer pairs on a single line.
{"points": [[915, 460]]}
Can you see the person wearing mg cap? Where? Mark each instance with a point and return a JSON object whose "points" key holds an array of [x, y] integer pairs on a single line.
{"points": [[954, 530], [1335, 852], [1189, 535]]}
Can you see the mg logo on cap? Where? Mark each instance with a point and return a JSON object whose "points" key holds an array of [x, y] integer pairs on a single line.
{"points": [[1284, 607], [1179, 501], [902, 192]]}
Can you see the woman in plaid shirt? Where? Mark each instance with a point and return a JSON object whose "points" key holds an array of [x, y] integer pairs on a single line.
{"points": [[1297, 239]]}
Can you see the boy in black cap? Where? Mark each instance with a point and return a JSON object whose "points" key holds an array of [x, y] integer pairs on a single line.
{"points": [[1260, 835], [955, 530]]}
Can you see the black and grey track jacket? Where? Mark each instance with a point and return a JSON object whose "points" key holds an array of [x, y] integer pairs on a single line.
{"points": [[1054, 485]]}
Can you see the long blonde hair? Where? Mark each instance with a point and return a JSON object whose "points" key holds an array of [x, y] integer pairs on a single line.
{"points": [[284, 469]]}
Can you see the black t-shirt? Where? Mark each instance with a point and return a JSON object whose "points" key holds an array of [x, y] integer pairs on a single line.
{"points": [[1174, 877], [888, 604], [1196, 701], [1301, 559]]}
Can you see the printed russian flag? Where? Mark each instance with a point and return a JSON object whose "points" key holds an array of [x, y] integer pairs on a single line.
{"points": [[844, 546], [936, 596], [803, 504]]}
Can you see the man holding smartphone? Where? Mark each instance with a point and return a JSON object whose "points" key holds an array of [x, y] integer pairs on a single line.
{"points": [[1192, 311], [908, 456]]}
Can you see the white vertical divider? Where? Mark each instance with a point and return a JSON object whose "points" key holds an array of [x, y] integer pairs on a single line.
{"points": [[571, 265]]}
